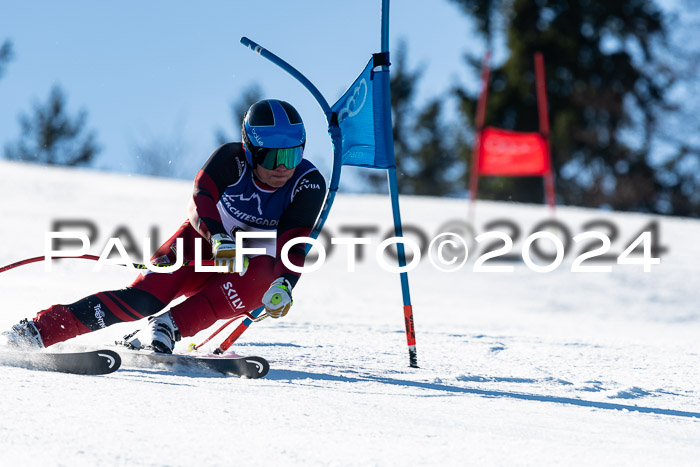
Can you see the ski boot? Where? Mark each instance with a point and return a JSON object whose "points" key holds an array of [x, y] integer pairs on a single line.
{"points": [[159, 335], [23, 336]]}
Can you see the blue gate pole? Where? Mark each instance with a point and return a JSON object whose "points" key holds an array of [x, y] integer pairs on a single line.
{"points": [[333, 129], [394, 192]]}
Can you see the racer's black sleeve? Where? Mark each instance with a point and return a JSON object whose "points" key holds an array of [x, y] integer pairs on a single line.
{"points": [[298, 221], [225, 167]]}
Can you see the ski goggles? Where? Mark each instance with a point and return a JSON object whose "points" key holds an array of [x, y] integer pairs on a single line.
{"points": [[271, 158]]}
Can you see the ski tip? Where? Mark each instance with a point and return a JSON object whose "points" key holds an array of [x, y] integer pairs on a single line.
{"points": [[92, 362], [258, 367], [112, 359]]}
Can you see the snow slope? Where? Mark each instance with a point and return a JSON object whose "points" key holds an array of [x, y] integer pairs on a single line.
{"points": [[519, 368]]}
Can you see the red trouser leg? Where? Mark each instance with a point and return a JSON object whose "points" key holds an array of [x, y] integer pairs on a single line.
{"points": [[212, 296], [185, 281], [225, 296], [57, 324], [148, 294]]}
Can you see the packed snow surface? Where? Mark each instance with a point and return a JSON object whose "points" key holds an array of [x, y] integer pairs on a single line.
{"points": [[516, 368]]}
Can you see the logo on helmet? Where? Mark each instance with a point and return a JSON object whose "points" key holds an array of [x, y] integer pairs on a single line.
{"points": [[258, 139]]}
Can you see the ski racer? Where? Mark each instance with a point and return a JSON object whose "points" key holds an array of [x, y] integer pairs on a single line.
{"points": [[260, 185]]}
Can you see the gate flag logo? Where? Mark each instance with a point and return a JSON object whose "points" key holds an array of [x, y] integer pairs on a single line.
{"points": [[360, 114]]}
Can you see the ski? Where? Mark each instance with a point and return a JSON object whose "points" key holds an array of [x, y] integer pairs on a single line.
{"points": [[94, 362], [235, 365]]}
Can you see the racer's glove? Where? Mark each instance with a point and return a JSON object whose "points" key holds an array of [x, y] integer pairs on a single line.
{"points": [[223, 250], [278, 298]]}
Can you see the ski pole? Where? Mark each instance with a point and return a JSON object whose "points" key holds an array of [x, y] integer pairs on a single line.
{"points": [[256, 315], [224, 326], [194, 346], [97, 258]]}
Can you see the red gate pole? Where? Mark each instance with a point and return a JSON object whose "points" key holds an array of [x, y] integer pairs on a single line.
{"points": [[478, 126], [543, 112]]}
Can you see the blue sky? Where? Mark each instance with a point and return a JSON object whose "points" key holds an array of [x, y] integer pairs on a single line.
{"points": [[170, 70]]}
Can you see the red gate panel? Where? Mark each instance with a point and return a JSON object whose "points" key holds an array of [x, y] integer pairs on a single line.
{"points": [[510, 153]]}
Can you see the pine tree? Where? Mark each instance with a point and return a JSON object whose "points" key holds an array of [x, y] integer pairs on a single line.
{"points": [[249, 96], [51, 136], [607, 85], [6, 54], [427, 160]]}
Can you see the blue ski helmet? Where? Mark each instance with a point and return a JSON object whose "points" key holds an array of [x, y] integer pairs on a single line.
{"points": [[273, 135]]}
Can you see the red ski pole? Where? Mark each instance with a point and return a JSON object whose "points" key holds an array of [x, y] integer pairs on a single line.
{"points": [[95, 258], [42, 258], [198, 346], [255, 316]]}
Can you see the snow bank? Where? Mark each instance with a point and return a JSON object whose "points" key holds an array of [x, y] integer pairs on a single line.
{"points": [[516, 368]]}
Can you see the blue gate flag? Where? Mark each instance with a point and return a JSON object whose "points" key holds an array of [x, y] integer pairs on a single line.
{"points": [[361, 112]]}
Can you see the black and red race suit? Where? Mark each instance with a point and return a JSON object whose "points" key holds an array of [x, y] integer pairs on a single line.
{"points": [[227, 197]]}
